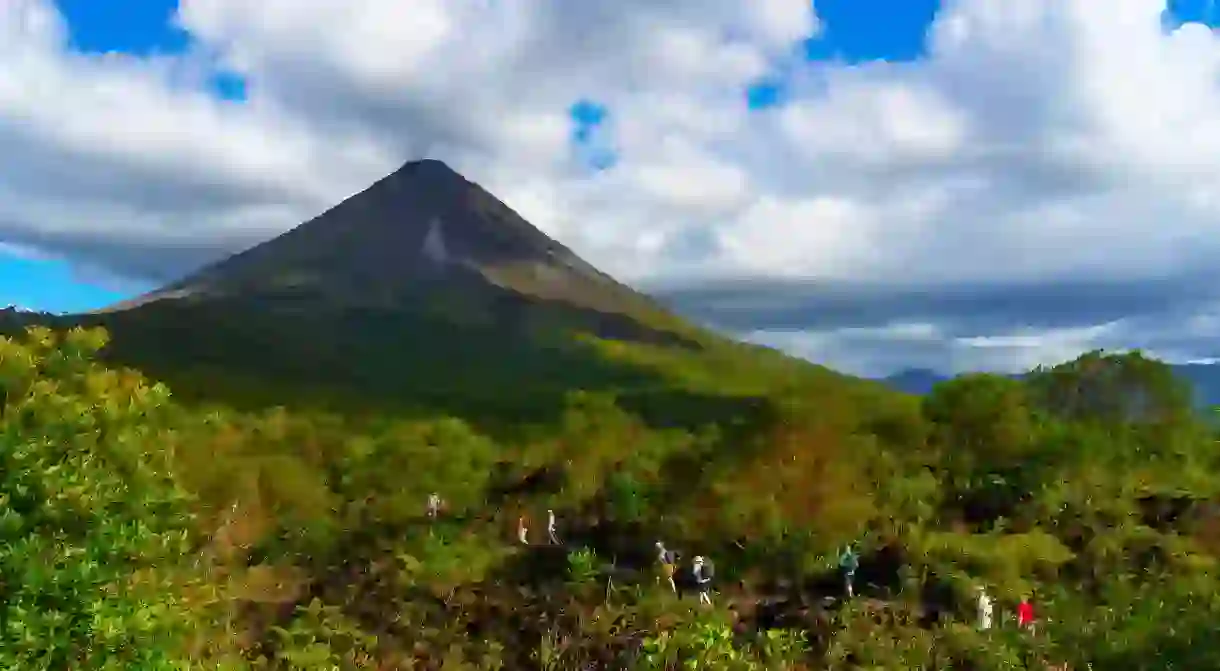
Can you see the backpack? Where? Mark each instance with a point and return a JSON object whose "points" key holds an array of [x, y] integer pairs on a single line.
{"points": [[849, 560], [709, 571]]}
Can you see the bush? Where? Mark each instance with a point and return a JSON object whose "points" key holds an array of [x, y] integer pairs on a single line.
{"points": [[94, 531]]}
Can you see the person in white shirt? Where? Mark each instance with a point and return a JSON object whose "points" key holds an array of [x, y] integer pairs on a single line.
{"points": [[434, 505], [522, 532], [550, 528], [986, 608], [703, 580]]}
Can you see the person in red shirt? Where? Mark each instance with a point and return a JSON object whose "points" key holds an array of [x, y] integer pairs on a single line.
{"points": [[1025, 614]]}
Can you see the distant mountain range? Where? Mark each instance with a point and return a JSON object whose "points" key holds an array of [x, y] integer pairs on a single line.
{"points": [[1205, 378]]}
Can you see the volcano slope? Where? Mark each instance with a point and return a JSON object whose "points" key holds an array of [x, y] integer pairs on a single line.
{"points": [[421, 337], [424, 287]]}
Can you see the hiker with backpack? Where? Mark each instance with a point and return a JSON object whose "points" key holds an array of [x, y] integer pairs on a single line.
{"points": [[703, 580], [668, 562], [849, 561], [434, 505]]}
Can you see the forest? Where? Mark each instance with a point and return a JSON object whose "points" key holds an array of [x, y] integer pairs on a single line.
{"points": [[148, 526]]}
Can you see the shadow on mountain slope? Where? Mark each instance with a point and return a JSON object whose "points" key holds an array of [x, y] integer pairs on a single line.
{"points": [[505, 360]]}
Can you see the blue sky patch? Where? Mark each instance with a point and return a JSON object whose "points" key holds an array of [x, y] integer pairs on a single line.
{"points": [[52, 285], [137, 27], [767, 93], [587, 116], [855, 31], [229, 86], [1178, 12]]}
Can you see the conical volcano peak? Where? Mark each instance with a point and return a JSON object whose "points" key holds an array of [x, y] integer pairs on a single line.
{"points": [[429, 165], [415, 184], [422, 228], [428, 169], [426, 201]]}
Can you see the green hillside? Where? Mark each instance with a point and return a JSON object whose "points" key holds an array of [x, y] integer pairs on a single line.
{"points": [[267, 510]]}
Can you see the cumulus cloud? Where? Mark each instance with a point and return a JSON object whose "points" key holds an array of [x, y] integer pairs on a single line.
{"points": [[1042, 182], [879, 329]]}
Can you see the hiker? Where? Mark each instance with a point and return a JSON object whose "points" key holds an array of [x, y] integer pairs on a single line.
{"points": [[849, 561], [434, 505], [522, 531], [703, 580], [986, 608], [550, 528], [1025, 614], [668, 561]]}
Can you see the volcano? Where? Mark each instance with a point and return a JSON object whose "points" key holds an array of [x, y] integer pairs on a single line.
{"points": [[420, 233], [422, 286]]}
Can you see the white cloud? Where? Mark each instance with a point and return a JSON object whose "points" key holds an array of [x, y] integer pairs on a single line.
{"points": [[22, 252], [1022, 351], [880, 351], [1040, 140], [871, 351]]}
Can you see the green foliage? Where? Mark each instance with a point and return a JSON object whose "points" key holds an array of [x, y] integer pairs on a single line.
{"points": [[582, 566], [703, 642], [1114, 388], [626, 496], [442, 564], [782, 648], [321, 637], [144, 531], [91, 529]]}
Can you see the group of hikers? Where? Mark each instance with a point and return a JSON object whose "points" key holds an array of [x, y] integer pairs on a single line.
{"points": [[701, 569], [986, 610], [703, 572], [551, 536]]}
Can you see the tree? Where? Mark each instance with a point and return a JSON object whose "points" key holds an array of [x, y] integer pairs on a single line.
{"points": [[981, 422], [92, 526], [1112, 388], [985, 434]]}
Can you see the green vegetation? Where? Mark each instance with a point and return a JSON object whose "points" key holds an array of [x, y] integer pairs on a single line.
{"points": [[211, 529]]}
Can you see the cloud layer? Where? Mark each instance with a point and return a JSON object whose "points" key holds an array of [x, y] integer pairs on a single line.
{"points": [[1042, 182]]}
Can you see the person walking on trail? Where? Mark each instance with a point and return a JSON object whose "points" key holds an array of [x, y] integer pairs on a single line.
{"points": [[434, 505], [986, 608], [550, 528], [522, 532], [703, 580], [668, 562], [1025, 614], [849, 561]]}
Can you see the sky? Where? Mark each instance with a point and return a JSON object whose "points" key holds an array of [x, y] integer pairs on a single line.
{"points": [[872, 184]]}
